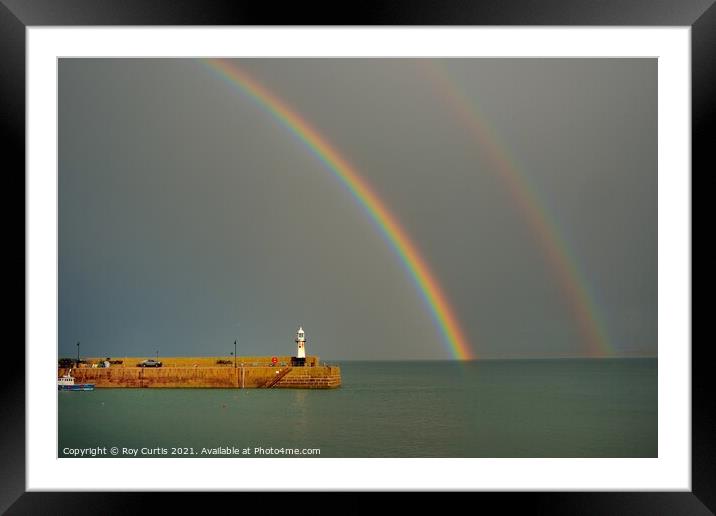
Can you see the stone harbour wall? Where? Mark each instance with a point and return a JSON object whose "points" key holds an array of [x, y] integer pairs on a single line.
{"points": [[221, 377]]}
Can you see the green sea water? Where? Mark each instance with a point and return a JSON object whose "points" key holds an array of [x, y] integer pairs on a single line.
{"points": [[490, 408]]}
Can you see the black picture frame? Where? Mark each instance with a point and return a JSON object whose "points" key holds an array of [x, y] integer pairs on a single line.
{"points": [[17, 15]]}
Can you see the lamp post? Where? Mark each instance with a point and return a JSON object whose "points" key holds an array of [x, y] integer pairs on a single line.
{"points": [[157, 355], [78, 353], [234, 354]]}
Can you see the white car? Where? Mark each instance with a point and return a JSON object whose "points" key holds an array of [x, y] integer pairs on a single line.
{"points": [[149, 363]]}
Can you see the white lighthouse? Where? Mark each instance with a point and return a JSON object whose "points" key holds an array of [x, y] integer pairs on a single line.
{"points": [[301, 343]]}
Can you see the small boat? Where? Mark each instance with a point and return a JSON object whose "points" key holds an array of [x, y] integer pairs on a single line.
{"points": [[67, 383]]}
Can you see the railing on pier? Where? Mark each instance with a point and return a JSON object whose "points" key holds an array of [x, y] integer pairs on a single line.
{"points": [[277, 378]]}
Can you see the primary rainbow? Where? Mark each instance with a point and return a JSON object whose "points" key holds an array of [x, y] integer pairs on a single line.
{"points": [[417, 268], [554, 247]]}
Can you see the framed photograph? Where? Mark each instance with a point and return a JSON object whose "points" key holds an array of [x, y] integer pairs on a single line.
{"points": [[423, 250]]}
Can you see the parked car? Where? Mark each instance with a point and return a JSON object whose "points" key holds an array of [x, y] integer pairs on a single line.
{"points": [[149, 363]]}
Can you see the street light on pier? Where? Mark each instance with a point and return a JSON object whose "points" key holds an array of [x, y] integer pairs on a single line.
{"points": [[234, 354], [78, 353]]}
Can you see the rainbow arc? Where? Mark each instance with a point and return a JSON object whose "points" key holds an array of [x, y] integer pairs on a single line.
{"points": [[416, 266], [557, 253]]}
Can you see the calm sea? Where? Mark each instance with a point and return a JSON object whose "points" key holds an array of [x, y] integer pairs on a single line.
{"points": [[494, 408]]}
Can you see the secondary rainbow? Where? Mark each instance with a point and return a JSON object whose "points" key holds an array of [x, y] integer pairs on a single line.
{"points": [[416, 266], [525, 198]]}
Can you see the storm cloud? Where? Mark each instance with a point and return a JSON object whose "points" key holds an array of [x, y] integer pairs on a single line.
{"points": [[190, 217]]}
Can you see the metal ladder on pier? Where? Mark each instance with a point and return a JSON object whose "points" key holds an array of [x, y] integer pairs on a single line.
{"points": [[277, 378]]}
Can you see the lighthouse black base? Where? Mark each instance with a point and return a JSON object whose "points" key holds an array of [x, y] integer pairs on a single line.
{"points": [[298, 362]]}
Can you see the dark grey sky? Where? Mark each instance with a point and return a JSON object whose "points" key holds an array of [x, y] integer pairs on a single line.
{"points": [[189, 217]]}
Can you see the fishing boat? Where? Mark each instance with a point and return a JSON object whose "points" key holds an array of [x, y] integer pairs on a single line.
{"points": [[67, 383]]}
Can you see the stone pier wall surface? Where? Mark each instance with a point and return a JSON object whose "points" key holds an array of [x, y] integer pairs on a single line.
{"points": [[327, 377], [316, 377]]}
